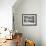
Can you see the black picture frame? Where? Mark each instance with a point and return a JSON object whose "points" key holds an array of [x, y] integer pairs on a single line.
{"points": [[29, 19]]}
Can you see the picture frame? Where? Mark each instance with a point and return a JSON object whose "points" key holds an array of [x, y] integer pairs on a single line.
{"points": [[29, 19]]}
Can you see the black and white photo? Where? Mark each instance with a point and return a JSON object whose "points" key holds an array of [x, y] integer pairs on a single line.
{"points": [[29, 19]]}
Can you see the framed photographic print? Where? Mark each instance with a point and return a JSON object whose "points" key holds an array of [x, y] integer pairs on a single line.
{"points": [[29, 19]]}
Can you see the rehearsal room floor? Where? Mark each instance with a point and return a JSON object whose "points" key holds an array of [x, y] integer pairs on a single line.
{"points": [[9, 43]]}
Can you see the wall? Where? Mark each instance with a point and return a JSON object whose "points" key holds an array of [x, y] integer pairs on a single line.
{"points": [[43, 22], [6, 13], [28, 7]]}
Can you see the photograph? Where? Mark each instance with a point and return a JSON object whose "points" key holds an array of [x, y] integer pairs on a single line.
{"points": [[29, 19], [22, 22]]}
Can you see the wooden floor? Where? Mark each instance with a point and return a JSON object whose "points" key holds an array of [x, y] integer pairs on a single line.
{"points": [[17, 37], [9, 43]]}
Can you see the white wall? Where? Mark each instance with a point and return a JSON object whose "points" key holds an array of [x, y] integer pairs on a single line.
{"points": [[43, 22], [28, 7], [6, 13]]}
